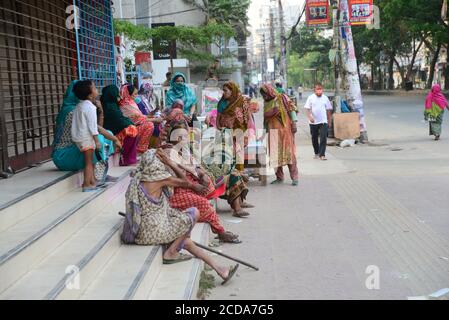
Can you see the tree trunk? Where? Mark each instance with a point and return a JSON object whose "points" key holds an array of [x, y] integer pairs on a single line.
{"points": [[432, 66], [401, 71], [410, 67], [372, 76], [390, 72]]}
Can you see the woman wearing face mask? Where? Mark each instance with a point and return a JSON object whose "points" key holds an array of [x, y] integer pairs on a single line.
{"points": [[179, 90], [145, 125]]}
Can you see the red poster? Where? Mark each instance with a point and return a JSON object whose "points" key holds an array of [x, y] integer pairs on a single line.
{"points": [[317, 12], [360, 12]]}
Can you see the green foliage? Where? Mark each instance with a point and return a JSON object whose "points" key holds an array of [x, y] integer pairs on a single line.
{"points": [[309, 50], [188, 35], [230, 12]]}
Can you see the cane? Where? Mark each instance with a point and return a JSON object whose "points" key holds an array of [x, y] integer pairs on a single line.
{"points": [[217, 252], [225, 255]]}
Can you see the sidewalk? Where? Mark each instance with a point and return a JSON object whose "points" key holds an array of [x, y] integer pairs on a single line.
{"points": [[356, 210]]}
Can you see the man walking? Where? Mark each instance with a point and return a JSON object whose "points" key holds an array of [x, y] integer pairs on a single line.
{"points": [[318, 109]]}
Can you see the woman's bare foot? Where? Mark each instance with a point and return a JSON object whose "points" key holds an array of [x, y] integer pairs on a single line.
{"points": [[227, 273]]}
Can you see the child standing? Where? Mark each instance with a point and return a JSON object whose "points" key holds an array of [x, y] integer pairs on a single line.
{"points": [[85, 129]]}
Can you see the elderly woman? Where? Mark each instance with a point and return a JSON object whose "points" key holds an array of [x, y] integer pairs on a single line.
{"points": [[66, 155], [145, 125], [183, 198], [233, 113], [151, 221], [280, 121], [122, 127], [179, 90]]}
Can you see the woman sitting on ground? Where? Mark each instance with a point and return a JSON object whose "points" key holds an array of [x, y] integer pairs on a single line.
{"points": [[146, 101], [66, 155], [179, 90], [122, 127], [151, 221], [183, 198], [145, 125]]}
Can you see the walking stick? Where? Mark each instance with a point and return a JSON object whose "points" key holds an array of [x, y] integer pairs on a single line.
{"points": [[217, 252], [225, 255]]}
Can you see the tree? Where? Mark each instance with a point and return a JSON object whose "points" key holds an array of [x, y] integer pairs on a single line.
{"points": [[189, 37], [309, 50], [231, 12]]}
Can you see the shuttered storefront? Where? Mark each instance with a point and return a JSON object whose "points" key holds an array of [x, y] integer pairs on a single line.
{"points": [[39, 57]]}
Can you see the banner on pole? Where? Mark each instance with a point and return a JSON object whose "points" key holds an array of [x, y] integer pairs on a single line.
{"points": [[317, 12], [360, 12]]}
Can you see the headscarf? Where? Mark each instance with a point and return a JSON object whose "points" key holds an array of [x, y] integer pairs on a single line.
{"points": [[180, 91], [277, 100], [68, 105], [233, 101], [127, 104], [114, 119], [175, 120], [144, 99], [435, 96], [233, 111], [211, 118], [150, 169]]}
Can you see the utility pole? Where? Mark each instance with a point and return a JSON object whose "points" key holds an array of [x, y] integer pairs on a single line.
{"points": [[354, 93], [283, 65], [264, 74]]}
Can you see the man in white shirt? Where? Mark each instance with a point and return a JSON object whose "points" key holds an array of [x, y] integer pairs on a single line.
{"points": [[318, 109]]}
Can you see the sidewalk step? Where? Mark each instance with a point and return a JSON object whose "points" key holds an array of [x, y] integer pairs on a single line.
{"points": [[130, 274], [46, 279], [27, 192], [180, 281], [28, 242]]}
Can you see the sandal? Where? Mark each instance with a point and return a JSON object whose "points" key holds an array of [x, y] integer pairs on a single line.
{"points": [[228, 237], [181, 257], [247, 205], [323, 158], [240, 214], [277, 181], [232, 271]]}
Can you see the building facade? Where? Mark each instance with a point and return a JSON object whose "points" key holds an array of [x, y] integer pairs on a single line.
{"points": [[44, 45]]}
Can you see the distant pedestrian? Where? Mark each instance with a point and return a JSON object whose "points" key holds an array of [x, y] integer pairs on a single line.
{"points": [[319, 110], [434, 110], [168, 76]]}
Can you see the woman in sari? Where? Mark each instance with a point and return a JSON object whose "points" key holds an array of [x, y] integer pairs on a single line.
{"points": [[232, 113], [66, 155], [179, 90], [184, 198], [150, 220], [122, 127], [280, 122], [434, 110], [145, 125], [146, 100]]}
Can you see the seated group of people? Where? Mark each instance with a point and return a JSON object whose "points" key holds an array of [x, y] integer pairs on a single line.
{"points": [[167, 195]]}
